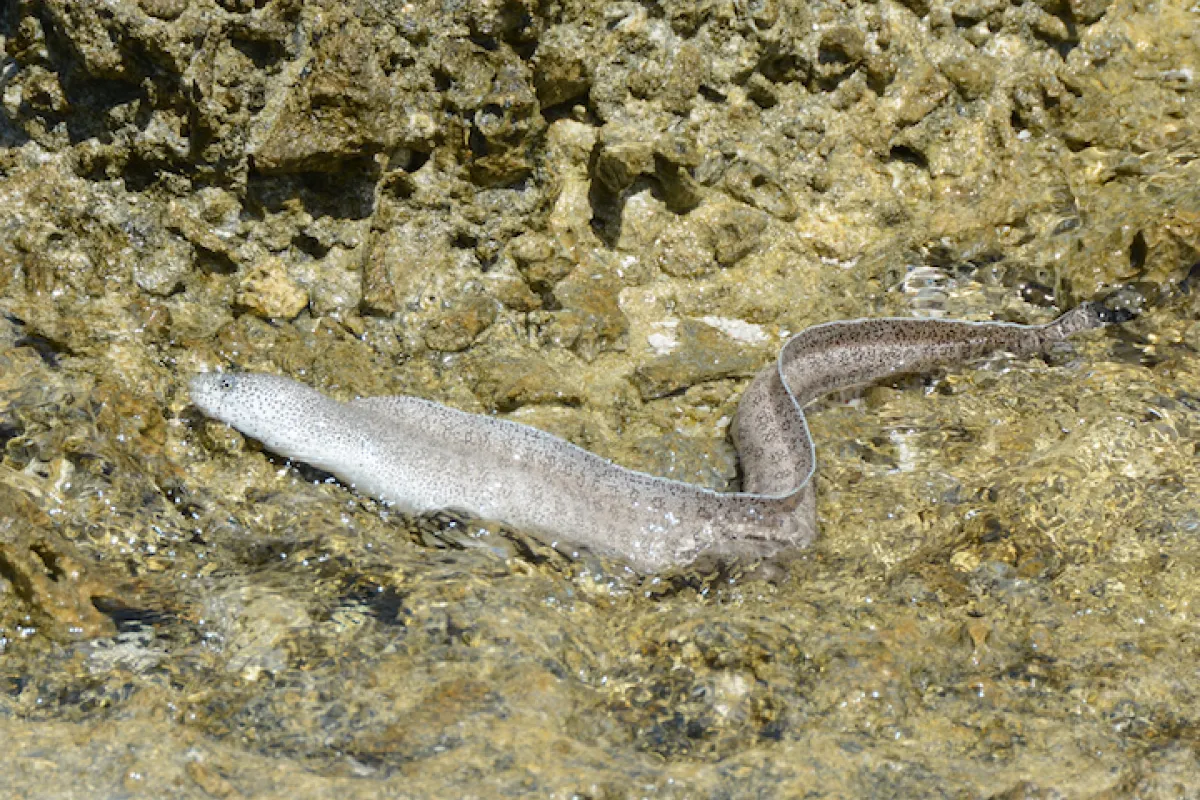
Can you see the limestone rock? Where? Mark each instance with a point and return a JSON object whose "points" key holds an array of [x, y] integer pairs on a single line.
{"points": [[269, 292], [701, 353], [52, 583], [456, 328]]}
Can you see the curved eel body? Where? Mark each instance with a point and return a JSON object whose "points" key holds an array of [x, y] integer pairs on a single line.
{"points": [[423, 456]]}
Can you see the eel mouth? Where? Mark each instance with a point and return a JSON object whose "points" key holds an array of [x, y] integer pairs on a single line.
{"points": [[208, 391]]}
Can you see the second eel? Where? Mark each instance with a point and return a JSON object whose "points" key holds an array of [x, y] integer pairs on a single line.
{"points": [[422, 456]]}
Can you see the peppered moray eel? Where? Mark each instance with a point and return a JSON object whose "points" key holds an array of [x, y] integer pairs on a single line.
{"points": [[423, 456]]}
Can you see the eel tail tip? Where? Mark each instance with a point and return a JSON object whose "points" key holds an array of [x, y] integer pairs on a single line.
{"points": [[1103, 315], [1087, 316]]}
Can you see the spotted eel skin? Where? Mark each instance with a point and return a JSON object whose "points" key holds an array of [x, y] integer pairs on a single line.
{"points": [[422, 456]]}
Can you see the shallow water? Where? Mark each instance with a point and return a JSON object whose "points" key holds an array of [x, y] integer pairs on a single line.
{"points": [[1004, 593]]}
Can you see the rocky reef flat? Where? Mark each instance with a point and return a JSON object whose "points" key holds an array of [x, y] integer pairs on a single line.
{"points": [[599, 219]]}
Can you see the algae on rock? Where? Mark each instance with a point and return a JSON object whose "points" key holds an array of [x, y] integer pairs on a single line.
{"points": [[600, 219]]}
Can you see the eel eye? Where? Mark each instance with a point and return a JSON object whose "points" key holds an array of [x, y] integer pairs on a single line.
{"points": [[226, 383]]}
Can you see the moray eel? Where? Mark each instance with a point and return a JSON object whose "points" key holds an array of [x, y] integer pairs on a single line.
{"points": [[422, 456]]}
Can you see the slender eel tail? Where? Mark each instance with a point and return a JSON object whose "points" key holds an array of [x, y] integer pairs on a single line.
{"points": [[771, 434], [1085, 317]]}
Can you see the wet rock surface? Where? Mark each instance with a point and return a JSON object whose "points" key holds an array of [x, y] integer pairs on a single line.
{"points": [[599, 219]]}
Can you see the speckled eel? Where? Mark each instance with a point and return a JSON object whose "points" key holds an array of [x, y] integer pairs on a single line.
{"points": [[423, 456]]}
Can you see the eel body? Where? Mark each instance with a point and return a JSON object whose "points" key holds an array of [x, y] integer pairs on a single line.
{"points": [[423, 456]]}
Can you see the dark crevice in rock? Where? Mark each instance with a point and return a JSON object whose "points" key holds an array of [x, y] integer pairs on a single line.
{"points": [[128, 619], [908, 155], [1137, 252], [8, 432], [566, 109], [310, 245], [263, 52], [488, 43], [464, 241], [383, 602], [1062, 46], [416, 160], [138, 174], [606, 212], [47, 349], [348, 193], [214, 263]]}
